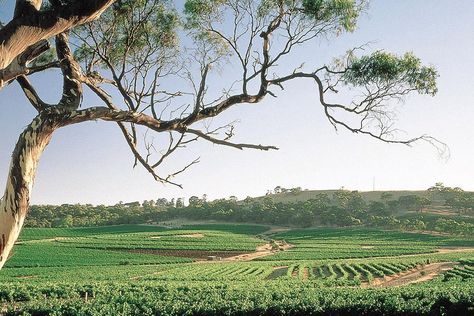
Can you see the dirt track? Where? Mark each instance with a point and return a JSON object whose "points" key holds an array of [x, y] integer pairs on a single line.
{"points": [[262, 251], [416, 275]]}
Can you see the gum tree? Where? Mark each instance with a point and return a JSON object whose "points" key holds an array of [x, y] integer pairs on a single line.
{"points": [[158, 72]]}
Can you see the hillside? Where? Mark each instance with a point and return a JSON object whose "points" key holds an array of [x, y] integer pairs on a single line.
{"points": [[368, 195]]}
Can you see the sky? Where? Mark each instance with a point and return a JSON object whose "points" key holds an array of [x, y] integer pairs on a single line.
{"points": [[90, 163]]}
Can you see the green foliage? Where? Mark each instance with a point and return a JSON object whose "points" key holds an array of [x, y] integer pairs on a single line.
{"points": [[393, 72], [339, 243], [49, 254], [463, 273], [45, 58], [345, 12], [130, 29], [230, 228], [197, 11], [341, 14], [238, 298], [30, 234], [341, 208], [168, 240]]}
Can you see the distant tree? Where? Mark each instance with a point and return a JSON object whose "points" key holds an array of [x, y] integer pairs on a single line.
{"points": [[378, 208], [441, 192], [393, 206], [341, 198], [161, 202], [386, 196], [356, 202], [461, 201], [148, 204], [296, 191], [194, 201], [132, 204], [414, 224], [409, 202], [423, 202], [67, 221], [179, 202], [439, 186], [171, 203]]}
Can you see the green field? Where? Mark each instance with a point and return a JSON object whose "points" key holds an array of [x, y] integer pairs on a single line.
{"points": [[330, 243], [150, 270]]}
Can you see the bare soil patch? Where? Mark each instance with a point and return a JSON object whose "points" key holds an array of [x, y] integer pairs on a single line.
{"points": [[442, 212], [306, 273], [197, 235], [262, 251], [416, 275], [266, 247], [454, 249]]}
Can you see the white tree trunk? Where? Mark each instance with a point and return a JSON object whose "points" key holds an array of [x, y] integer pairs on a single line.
{"points": [[15, 202], [31, 144]]}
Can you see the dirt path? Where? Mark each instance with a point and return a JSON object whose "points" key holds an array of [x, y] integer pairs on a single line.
{"points": [[262, 251], [416, 275], [454, 249], [268, 249]]}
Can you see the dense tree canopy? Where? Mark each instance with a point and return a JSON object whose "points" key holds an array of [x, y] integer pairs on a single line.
{"points": [[340, 208]]}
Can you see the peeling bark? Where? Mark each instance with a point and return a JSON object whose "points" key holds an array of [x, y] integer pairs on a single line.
{"points": [[30, 26], [16, 199], [28, 150]]}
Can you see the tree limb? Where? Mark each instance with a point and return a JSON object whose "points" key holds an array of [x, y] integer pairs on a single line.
{"points": [[30, 26]]}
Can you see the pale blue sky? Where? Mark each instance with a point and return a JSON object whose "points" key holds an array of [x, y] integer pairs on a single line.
{"points": [[90, 163]]}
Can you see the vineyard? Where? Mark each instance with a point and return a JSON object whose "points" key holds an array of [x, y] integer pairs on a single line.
{"points": [[151, 270]]}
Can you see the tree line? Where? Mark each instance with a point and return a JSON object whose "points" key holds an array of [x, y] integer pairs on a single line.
{"points": [[341, 208]]}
